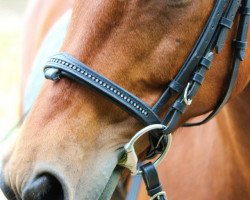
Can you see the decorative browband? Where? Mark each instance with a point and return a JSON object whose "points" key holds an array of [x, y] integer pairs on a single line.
{"points": [[64, 64]]}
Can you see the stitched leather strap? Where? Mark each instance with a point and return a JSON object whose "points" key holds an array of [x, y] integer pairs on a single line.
{"points": [[196, 54], [68, 66], [151, 180], [239, 55], [227, 23]]}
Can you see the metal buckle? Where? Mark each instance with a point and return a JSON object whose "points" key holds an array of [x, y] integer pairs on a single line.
{"points": [[187, 101], [158, 196], [130, 159]]}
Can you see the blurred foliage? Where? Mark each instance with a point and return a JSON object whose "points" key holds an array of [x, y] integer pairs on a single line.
{"points": [[16, 6], [10, 67], [11, 12], [9, 76]]}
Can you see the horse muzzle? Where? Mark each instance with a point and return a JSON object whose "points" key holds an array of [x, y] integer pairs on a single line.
{"points": [[43, 187]]}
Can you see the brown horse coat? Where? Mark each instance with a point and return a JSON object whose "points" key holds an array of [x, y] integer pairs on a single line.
{"points": [[73, 133]]}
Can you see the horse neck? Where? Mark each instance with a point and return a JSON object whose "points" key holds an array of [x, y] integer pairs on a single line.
{"points": [[233, 123], [214, 156], [226, 146]]}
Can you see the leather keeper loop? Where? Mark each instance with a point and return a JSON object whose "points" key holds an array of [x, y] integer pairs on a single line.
{"points": [[240, 44], [198, 78], [154, 190], [179, 107], [174, 85], [226, 22], [206, 63], [245, 11]]}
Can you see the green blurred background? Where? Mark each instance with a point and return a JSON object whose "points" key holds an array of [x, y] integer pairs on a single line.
{"points": [[11, 18]]}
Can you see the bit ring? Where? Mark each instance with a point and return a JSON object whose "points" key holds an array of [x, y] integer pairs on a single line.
{"points": [[131, 160]]}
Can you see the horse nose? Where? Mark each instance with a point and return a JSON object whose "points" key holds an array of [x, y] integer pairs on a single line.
{"points": [[44, 187]]}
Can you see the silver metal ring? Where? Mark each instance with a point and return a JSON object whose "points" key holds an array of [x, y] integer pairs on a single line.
{"points": [[131, 161]]}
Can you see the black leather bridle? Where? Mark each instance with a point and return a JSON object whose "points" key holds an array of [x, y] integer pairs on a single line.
{"points": [[185, 84]]}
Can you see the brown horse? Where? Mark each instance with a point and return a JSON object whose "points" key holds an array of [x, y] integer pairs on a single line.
{"points": [[71, 139]]}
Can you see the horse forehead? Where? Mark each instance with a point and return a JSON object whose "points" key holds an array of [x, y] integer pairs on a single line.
{"points": [[121, 26]]}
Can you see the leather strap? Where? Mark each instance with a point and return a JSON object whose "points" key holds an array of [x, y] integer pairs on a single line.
{"points": [[196, 54], [227, 23], [239, 55], [151, 180], [68, 66]]}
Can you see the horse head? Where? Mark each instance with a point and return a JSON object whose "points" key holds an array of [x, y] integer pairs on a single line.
{"points": [[72, 138]]}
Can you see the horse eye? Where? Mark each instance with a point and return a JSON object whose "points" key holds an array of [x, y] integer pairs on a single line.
{"points": [[178, 2]]}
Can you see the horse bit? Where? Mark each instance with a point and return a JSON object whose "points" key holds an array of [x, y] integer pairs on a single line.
{"points": [[184, 87]]}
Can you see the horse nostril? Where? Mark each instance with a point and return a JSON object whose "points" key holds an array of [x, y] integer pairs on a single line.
{"points": [[44, 187]]}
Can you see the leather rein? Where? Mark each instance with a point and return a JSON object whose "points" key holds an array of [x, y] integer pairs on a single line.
{"points": [[185, 85]]}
